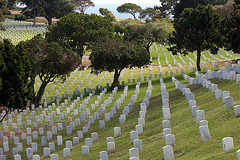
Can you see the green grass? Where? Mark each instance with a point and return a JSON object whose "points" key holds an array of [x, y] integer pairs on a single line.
{"points": [[188, 141]]}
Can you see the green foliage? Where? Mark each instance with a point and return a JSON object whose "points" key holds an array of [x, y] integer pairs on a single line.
{"points": [[48, 8], [196, 30], [114, 54], [82, 5], [11, 4], [15, 76], [20, 17], [145, 34], [225, 10], [2, 69], [150, 14], [186, 4], [107, 13], [166, 7], [231, 29], [76, 30], [49, 61], [3, 5], [216, 2], [129, 8]]}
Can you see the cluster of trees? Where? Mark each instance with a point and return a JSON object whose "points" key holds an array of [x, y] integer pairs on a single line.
{"points": [[61, 50], [108, 14], [21, 64], [197, 28], [201, 28], [54, 8], [168, 8]]}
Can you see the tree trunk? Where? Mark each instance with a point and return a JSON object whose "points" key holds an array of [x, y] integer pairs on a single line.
{"points": [[198, 59], [49, 19], [36, 100], [134, 16], [4, 116], [115, 80]]}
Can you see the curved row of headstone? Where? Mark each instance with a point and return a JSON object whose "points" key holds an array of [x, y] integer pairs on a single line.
{"points": [[223, 73], [137, 143], [167, 134], [110, 140], [66, 153], [225, 95]]}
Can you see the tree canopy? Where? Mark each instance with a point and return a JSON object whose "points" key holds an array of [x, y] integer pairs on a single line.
{"points": [[107, 13], [150, 14], [48, 8], [166, 7], [3, 7], [48, 61], [145, 34], [82, 5], [115, 54], [15, 73], [182, 4], [77, 30], [196, 30], [231, 29], [129, 8]]}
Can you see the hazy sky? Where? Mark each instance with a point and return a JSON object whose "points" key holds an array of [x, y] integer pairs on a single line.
{"points": [[113, 4], [126, 1]]}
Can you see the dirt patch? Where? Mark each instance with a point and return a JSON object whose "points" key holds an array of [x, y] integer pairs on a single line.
{"points": [[222, 63]]}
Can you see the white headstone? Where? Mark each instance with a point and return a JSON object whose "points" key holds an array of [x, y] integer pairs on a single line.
{"points": [[69, 144], [133, 152], [66, 152], [166, 124], [200, 115], [88, 142], [227, 143], [137, 143], [94, 137], [166, 131], [133, 135], [85, 151], [103, 155], [117, 132], [218, 94], [110, 147], [46, 152], [224, 95], [168, 152], [170, 139], [228, 102], [59, 140], [204, 132]]}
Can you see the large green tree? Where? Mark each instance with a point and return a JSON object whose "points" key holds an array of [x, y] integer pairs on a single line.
{"points": [[48, 61], [145, 34], [129, 8], [150, 14], [182, 4], [231, 29], [3, 6], [166, 7], [82, 5], [15, 76], [107, 13], [48, 8], [115, 54], [77, 30], [196, 30]]}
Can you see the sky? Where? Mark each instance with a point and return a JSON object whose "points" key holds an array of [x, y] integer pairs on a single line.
{"points": [[112, 6], [126, 1]]}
